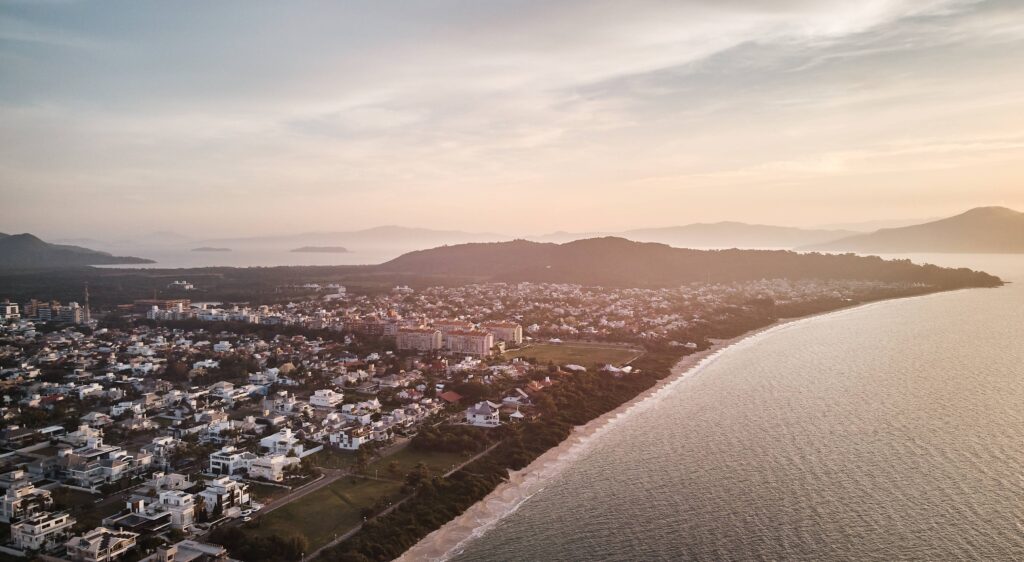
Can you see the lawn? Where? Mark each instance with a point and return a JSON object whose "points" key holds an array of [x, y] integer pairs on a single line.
{"points": [[331, 457], [589, 356], [438, 462], [327, 512]]}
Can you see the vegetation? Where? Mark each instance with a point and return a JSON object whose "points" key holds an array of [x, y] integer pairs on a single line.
{"points": [[570, 353]]}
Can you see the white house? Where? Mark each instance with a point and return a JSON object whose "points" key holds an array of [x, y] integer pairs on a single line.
{"points": [[483, 414], [42, 531], [326, 398], [271, 467], [229, 460]]}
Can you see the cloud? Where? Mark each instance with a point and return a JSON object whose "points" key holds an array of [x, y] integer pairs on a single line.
{"points": [[399, 106]]}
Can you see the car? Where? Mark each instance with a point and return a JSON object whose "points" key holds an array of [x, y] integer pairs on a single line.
{"points": [[247, 512], [247, 519]]}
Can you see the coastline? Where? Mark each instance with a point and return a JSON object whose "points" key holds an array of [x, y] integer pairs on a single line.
{"points": [[504, 500], [448, 540]]}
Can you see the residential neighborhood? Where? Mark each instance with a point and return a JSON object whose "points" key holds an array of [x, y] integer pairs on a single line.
{"points": [[161, 425]]}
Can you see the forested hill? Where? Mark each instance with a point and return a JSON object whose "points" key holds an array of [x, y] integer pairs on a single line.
{"points": [[622, 263], [28, 251]]}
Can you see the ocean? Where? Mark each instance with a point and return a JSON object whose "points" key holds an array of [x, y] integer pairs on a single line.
{"points": [[889, 431]]}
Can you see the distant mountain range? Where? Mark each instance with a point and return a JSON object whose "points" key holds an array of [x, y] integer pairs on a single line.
{"points": [[378, 237], [26, 250], [321, 250], [715, 235], [980, 230], [619, 262]]}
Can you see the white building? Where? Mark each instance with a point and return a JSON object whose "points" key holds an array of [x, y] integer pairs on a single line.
{"points": [[271, 467], [42, 531], [483, 414], [22, 499], [326, 398], [227, 493], [229, 460], [474, 343], [101, 545], [282, 442], [418, 339], [508, 332]]}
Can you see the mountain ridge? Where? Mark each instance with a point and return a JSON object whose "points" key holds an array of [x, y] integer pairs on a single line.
{"points": [[991, 229], [29, 251]]}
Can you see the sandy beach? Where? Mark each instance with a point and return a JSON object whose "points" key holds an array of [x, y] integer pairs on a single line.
{"points": [[522, 484]]}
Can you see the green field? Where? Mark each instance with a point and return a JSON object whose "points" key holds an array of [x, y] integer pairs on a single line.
{"points": [[334, 509], [327, 512], [589, 356], [407, 458]]}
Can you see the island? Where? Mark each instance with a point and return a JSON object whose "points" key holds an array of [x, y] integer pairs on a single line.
{"points": [[210, 249], [321, 250]]}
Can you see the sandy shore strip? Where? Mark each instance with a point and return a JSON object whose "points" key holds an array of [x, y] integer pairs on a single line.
{"points": [[522, 484], [448, 541]]}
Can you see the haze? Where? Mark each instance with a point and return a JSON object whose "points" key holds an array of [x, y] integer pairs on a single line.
{"points": [[230, 119]]}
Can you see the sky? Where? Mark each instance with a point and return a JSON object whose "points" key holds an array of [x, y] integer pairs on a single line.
{"points": [[245, 118]]}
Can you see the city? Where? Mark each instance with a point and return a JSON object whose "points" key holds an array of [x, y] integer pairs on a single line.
{"points": [[151, 428]]}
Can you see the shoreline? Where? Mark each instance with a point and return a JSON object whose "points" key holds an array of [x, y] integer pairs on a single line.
{"points": [[508, 497], [522, 484]]}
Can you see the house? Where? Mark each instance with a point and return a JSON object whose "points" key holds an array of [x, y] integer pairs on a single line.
{"points": [[351, 438], [271, 467], [483, 414], [41, 532], [229, 460], [189, 551], [22, 499], [172, 509], [326, 398], [282, 442], [101, 545], [227, 494]]}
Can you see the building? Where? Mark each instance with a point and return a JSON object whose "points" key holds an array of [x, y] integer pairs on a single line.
{"points": [[142, 306], [282, 442], [189, 551], [271, 467], [508, 332], [22, 499], [9, 311], [483, 414], [473, 342], [447, 326], [229, 460], [173, 509], [326, 398], [418, 339], [41, 532], [100, 545], [227, 494]]}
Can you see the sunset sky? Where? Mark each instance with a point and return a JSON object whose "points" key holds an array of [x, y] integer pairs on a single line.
{"points": [[240, 118]]}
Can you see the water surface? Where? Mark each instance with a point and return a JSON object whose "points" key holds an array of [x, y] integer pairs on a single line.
{"points": [[893, 431]]}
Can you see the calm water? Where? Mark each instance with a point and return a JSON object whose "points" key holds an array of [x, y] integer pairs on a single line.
{"points": [[893, 431]]}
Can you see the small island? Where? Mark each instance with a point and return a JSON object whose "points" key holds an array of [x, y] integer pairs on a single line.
{"points": [[321, 250], [210, 249]]}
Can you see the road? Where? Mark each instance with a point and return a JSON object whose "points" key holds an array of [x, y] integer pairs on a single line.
{"points": [[348, 534]]}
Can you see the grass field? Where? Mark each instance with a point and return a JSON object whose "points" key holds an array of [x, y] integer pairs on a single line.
{"points": [[326, 513], [407, 458], [589, 356]]}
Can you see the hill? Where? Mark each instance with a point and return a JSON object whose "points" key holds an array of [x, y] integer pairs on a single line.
{"points": [[619, 262], [398, 237], [980, 230], [28, 251], [716, 235]]}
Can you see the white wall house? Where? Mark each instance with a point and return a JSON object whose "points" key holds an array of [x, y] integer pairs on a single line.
{"points": [[483, 414]]}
